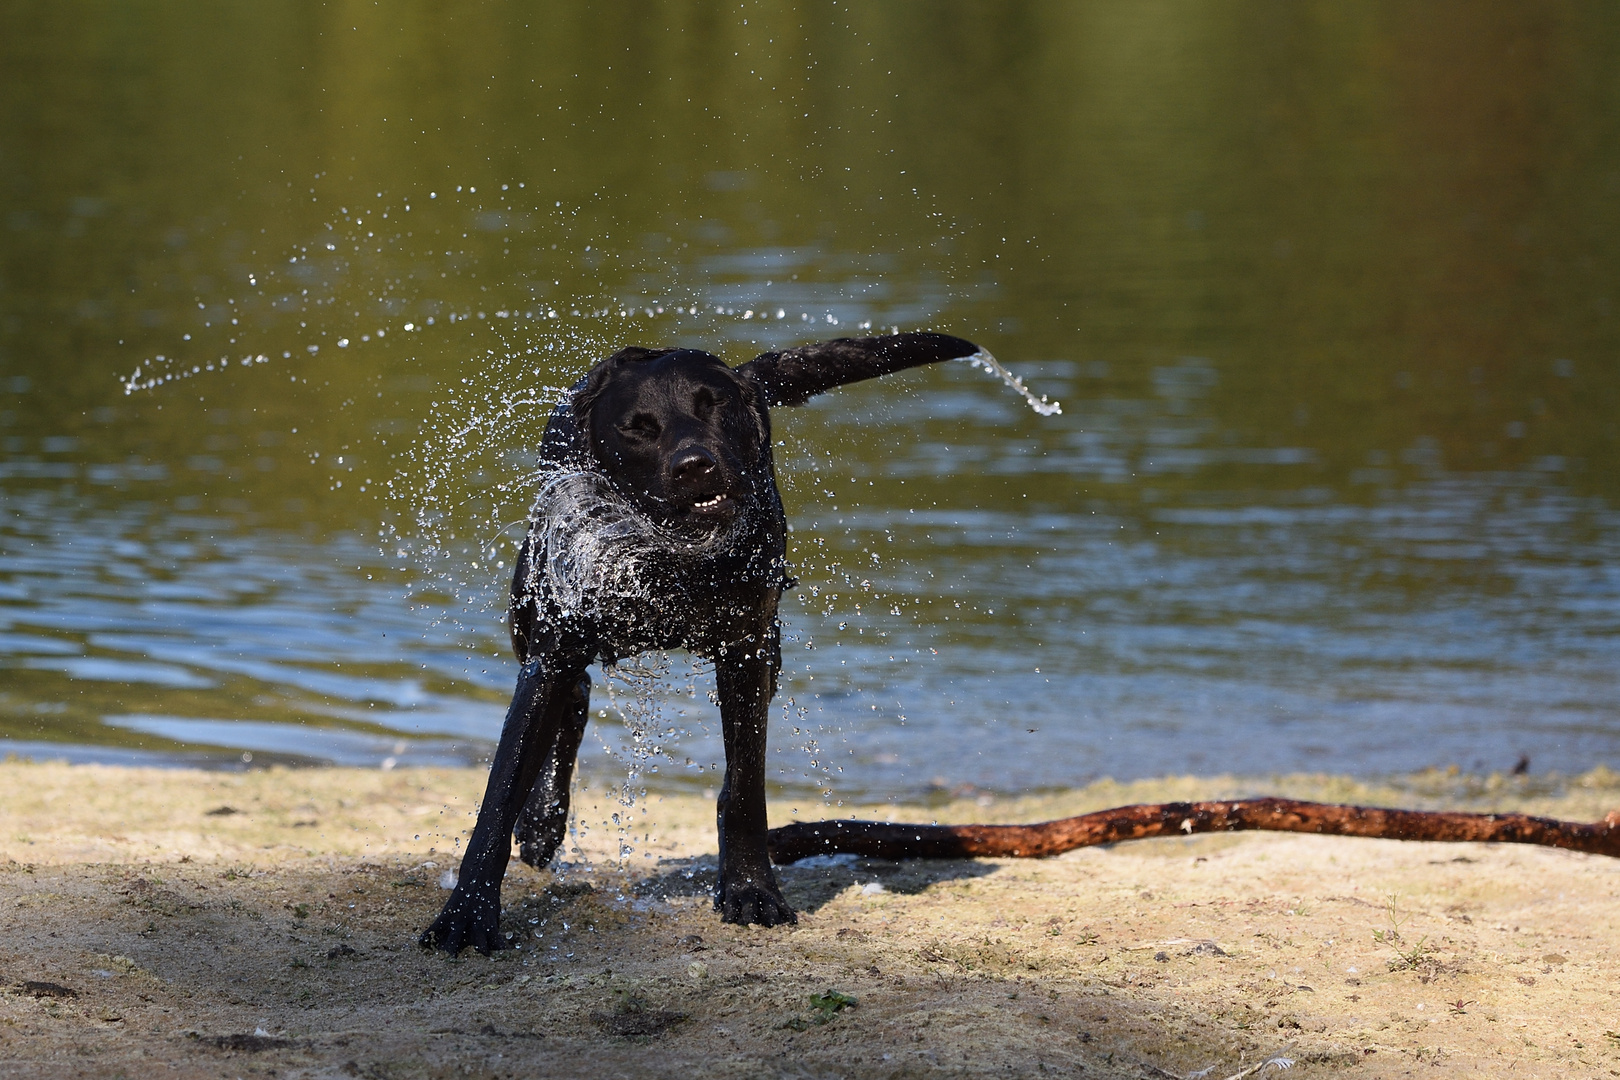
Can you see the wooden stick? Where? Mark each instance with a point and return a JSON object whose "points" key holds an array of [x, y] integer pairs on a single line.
{"points": [[886, 840]]}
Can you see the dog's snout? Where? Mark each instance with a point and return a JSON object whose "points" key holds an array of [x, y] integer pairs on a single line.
{"points": [[692, 463]]}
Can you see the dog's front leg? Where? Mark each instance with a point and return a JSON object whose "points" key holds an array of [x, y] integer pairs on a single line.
{"points": [[747, 892], [472, 915]]}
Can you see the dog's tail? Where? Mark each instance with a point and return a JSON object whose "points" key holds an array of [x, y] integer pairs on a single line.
{"points": [[795, 376]]}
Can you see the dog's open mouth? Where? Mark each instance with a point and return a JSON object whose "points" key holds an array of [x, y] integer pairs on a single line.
{"points": [[720, 505]]}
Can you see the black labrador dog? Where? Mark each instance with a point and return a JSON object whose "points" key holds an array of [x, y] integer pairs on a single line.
{"points": [[659, 526]]}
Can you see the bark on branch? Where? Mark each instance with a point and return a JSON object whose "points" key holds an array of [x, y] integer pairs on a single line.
{"points": [[886, 840]]}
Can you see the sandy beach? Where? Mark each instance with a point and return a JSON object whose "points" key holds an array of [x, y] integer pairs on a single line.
{"points": [[181, 923]]}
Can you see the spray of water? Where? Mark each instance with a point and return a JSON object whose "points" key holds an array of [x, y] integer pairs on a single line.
{"points": [[597, 549], [632, 687], [985, 362]]}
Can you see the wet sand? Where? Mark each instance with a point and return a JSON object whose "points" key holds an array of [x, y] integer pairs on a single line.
{"points": [[178, 923]]}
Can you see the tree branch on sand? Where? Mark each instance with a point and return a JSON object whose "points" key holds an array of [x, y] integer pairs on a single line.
{"points": [[889, 840]]}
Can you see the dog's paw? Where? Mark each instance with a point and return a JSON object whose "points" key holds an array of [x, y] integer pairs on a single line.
{"points": [[539, 840], [472, 918], [754, 904], [537, 851]]}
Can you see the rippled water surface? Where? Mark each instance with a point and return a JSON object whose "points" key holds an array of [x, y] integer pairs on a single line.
{"points": [[1327, 294]]}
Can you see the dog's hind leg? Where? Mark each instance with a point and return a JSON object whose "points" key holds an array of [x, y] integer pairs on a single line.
{"points": [[544, 818]]}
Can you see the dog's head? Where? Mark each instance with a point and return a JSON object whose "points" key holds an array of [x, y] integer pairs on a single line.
{"points": [[679, 433]]}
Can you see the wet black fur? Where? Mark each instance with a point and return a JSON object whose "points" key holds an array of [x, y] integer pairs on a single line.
{"points": [[686, 442]]}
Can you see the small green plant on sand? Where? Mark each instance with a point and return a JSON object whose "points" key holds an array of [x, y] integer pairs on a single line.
{"points": [[826, 1006], [1408, 955], [833, 1001]]}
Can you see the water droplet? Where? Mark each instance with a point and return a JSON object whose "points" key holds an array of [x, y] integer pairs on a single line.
{"points": [[985, 362]]}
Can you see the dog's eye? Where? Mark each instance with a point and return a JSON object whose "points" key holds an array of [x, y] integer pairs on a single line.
{"points": [[643, 424], [704, 402]]}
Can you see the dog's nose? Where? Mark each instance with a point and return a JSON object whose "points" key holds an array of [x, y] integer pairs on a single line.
{"points": [[691, 464]]}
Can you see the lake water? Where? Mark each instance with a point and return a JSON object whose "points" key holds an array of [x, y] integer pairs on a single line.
{"points": [[1327, 293]]}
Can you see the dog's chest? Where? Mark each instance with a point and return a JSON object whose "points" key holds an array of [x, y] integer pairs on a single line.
{"points": [[597, 570], [703, 608]]}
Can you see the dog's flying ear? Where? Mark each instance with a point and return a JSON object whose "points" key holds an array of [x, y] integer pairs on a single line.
{"points": [[797, 375]]}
